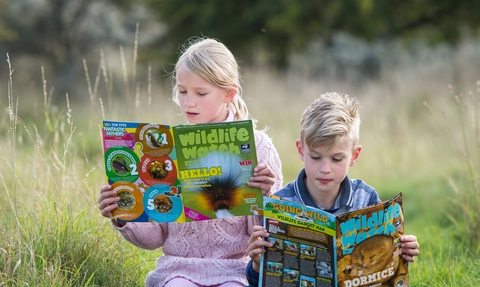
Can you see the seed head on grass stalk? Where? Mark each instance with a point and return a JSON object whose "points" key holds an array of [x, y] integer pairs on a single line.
{"points": [[13, 112], [92, 91], [108, 82]]}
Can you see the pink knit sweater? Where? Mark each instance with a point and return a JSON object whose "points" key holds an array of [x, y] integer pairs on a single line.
{"points": [[206, 252]]}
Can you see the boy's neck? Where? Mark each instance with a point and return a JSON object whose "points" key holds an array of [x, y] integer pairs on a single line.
{"points": [[325, 200]]}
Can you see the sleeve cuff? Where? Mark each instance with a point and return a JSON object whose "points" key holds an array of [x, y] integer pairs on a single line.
{"points": [[252, 275]]}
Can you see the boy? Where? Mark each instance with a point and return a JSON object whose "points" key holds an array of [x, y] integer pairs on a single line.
{"points": [[328, 145]]}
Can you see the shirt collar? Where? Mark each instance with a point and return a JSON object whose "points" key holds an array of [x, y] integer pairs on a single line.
{"points": [[230, 116], [344, 198]]}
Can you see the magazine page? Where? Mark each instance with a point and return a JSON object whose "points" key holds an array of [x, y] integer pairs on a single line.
{"points": [[141, 166], [215, 163], [368, 246], [303, 241], [161, 171]]}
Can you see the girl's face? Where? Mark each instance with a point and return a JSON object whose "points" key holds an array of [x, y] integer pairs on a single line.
{"points": [[201, 101], [326, 168]]}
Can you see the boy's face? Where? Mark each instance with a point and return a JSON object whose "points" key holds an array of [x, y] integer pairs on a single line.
{"points": [[326, 168]]}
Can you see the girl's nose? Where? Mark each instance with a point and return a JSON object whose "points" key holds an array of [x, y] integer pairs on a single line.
{"points": [[189, 101]]}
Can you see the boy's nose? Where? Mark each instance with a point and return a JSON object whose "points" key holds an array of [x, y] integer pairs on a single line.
{"points": [[325, 168]]}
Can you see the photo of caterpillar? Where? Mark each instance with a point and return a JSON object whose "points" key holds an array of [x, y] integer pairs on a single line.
{"points": [[222, 192]]}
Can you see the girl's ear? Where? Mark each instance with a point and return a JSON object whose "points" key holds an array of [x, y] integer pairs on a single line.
{"points": [[356, 154], [301, 151], [231, 93]]}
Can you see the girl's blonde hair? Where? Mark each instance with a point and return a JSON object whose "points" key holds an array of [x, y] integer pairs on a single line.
{"points": [[213, 62]]}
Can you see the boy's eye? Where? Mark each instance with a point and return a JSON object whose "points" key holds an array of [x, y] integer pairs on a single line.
{"points": [[337, 159], [315, 157]]}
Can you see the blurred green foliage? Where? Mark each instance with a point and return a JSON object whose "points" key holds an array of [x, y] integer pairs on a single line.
{"points": [[64, 29], [285, 26], [334, 38]]}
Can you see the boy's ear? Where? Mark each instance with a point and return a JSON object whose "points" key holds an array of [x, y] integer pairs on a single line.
{"points": [[301, 151], [356, 154]]}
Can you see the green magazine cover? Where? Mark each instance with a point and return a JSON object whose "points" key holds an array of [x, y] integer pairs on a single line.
{"points": [[181, 173], [215, 162]]}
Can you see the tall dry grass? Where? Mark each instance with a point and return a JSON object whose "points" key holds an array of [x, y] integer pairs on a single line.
{"points": [[51, 233], [461, 123]]}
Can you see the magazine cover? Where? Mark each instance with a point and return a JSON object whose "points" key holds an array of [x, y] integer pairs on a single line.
{"points": [[141, 165], [315, 248], [368, 246], [150, 170], [215, 163]]}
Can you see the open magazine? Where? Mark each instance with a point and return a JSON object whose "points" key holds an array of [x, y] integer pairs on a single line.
{"points": [[316, 249], [181, 173]]}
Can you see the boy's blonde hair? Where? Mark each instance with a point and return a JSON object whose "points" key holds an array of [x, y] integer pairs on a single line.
{"points": [[213, 61], [330, 119]]}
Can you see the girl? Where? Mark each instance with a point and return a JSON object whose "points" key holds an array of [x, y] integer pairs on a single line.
{"points": [[212, 252]]}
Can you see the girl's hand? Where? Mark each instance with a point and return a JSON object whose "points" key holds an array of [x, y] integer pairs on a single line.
{"points": [[263, 178], [255, 244], [107, 202], [409, 247]]}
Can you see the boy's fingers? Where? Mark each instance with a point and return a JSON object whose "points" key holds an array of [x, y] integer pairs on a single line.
{"points": [[410, 251], [408, 238], [257, 232], [256, 246], [258, 228], [410, 245], [255, 237], [255, 253], [408, 257]]}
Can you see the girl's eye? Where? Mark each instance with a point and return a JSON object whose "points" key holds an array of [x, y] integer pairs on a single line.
{"points": [[202, 94], [182, 92]]}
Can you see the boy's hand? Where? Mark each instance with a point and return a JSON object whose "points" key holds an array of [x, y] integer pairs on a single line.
{"points": [[107, 202], [263, 178], [409, 247], [255, 244]]}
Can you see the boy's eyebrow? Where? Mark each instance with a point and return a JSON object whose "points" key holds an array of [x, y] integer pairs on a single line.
{"points": [[339, 153], [333, 154]]}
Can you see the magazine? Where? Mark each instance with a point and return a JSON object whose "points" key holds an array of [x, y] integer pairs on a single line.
{"points": [[181, 173], [317, 249]]}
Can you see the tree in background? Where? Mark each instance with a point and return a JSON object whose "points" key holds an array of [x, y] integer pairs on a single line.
{"points": [[62, 32], [283, 26]]}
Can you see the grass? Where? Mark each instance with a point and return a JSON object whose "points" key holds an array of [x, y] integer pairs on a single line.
{"points": [[52, 233]]}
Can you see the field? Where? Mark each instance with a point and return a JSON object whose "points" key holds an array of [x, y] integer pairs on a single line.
{"points": [[420, 135]]}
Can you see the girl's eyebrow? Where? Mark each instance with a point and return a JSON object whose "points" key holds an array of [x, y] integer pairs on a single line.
{"points": [[194, 88]]}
